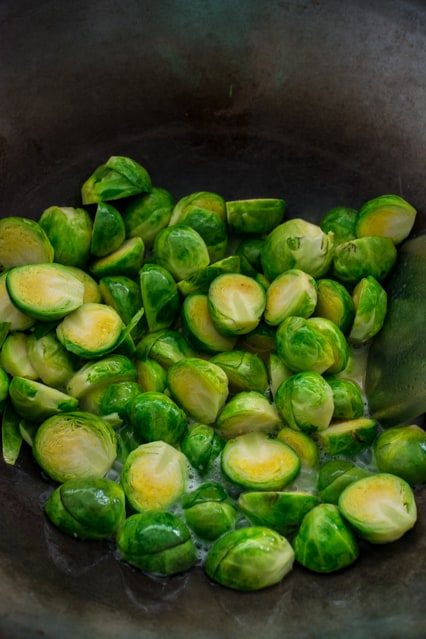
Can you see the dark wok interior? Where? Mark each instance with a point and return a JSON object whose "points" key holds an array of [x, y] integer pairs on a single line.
{"points": [[321, 103]]}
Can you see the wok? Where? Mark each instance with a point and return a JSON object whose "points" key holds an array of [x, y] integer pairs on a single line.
{"points": [[319, 102]]}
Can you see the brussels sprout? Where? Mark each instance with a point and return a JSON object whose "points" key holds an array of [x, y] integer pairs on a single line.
{"points": [[208, 511], [202, 200], [46, 292], [324, 542], [347, 398], [236, 303], [348, 437], [199, 329], [23, 241], [147, 214], [52, 362], [119, 177], [36, 401], [101, 373], [297, 244], [335, 303], [258, 462], [155, 416], [257, 216], [381, 508], [160, 296], [156, 542], [261, 340], [201, 445], [305, 447], [337, 341], [87, 508], [108, 231], [181, 250], [278, 372], [249, 558], [75, 444], [305, 402], [11, 437], [246, 412], [370, 301], [249, 252], [14, 356], [294, 292], [4, 389], [10, 315], [341, 221], [91, 331], [126, 260], [386, 216], [208, 386], [281, 511], [200, 281], [124, 295], [245, 371], [116, 399], [70, 232], [154, 476], [91, 291], [401, 451], [302, 346], [333, 477], [151, 375], [364, 256], [211, 228], [166, 347]]}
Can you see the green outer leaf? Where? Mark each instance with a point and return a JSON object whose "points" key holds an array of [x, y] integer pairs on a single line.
{"points": [[11, 435]]}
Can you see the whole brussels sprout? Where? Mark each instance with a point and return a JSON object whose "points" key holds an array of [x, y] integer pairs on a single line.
{"points": [[181, 250], [155, 416], [402, 451], [305, 401], [303, 347], [87, 508], [249, 558], [364, 256]]}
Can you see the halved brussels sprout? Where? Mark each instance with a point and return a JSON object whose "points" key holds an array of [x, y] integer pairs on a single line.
{"points": [[201, 199], [199, 387], [278, 372], [124, 295], [200, 281], [208, 511], [364, 256], [14, 357], [181, 250], [199, 328], [87, 508], [381, 508], [147, 214], [261, 340], [165, 346], [69, 231], [101, 373], [91, 288], [160, 296], [201, 445], [305, 447], [212, 228], [151, 375], [156, 416], [387, 216], [236, 303], [108, 231], [75, 444], [249, 558], [46, 292], [335, 303], [36, 401], [9, 313], [303, 347], [294, 292], [297, 244], [334, 475], [11, 437], [258, 462], [347, 397], [249, 252], [348, 437], [156, 542], [401, 451], [337, 341], [305, 402], [281, 511], [119, 177], [126, 260], [91, 331], [22, 242], [246, 412], [52, 362], [256, 216], [154, 476], [116, 400], [324, 542], [245, 371], [370, 301], [341, 221]]}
